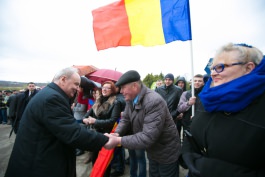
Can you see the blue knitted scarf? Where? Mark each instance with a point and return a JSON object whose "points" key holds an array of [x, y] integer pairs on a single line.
{"points": [[235, 95]]}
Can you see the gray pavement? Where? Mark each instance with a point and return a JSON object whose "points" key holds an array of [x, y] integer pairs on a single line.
{"points": [[83, 170]]}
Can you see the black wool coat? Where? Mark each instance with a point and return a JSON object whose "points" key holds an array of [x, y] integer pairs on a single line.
{"points": [[233, 143], [48, 136], [12, 104], [22, 100]]}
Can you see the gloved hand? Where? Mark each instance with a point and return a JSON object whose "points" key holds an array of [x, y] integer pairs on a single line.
{"points": [[189, 159]]}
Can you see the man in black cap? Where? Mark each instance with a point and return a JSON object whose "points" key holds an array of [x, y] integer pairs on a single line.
{"points": [[147, 124], [171, 94]]}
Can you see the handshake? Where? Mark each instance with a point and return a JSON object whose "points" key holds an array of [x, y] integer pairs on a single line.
{"points": [[114, 140]]}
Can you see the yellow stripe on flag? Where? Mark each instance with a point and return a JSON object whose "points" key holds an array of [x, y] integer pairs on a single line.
{"points": [[145, 22]]}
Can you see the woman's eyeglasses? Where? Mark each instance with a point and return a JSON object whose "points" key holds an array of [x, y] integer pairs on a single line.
{"points": [[106, 88], [220, 67]]}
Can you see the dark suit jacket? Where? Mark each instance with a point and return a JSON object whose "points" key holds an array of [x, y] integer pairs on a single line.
{"points": [[22, 100], [12, 105], [48, 136]]}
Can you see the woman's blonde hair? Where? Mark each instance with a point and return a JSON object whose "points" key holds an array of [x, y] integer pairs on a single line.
{"points": [[247, 53]]}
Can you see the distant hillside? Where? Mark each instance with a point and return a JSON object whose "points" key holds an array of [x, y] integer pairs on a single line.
{"points": [[18, 84]]}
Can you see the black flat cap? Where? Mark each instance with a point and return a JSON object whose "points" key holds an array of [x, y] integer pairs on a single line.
{"points": [[129, 76]]}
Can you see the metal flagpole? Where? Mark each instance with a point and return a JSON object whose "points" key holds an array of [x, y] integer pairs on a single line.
{"points": [[192, 75]]}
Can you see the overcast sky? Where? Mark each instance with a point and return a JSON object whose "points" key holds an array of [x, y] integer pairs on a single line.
{"points": [[40, 37]]}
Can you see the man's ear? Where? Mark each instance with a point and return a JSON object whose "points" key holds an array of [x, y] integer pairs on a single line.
{"points": [[62, 80]]}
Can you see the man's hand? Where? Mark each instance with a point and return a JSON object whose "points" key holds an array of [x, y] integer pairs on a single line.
{"points": [[192, 101], [85, 121], [89, 120], [115, 134], [180, 116], [113, 141]]}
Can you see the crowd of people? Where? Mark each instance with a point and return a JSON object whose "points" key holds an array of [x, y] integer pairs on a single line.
{"points": [[13, 103], [214, 129]]}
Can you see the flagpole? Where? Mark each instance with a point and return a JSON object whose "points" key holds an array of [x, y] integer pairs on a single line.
{"points": [[192, 76]]}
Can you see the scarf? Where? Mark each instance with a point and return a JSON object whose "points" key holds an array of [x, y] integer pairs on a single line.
{"points": [[102, 105], [235, 95]]}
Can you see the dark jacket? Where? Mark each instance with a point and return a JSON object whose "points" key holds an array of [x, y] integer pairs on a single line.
{"points": [[171, 95], [12, 105], [48, 136], [234, 142], [120, 98], [106, 118], [22, 101], [151, 126]]}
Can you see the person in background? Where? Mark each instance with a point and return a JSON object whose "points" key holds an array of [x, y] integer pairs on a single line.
{"points": [[104, 114], [7, 95], [147, 124], [181, 82], [159, 83], [80, 109], [12, 105], [187, 100], [97, 92], [22, 101], [230, 133], [118, 161], [49, 134], [171, 95], [90, 103], [3, 108]]}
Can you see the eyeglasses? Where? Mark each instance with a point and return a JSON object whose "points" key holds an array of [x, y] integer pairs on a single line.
{"points": [[220, 67], [106, 88]]}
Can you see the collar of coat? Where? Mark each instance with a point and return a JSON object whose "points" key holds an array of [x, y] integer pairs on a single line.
{"points": [[99, 107]]}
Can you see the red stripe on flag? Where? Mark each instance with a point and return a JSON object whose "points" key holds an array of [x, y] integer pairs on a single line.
{"points": [[104, 158], [111, 26]]}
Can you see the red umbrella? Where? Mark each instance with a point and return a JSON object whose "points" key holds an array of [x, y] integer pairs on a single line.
{"points": [[102, 75]]}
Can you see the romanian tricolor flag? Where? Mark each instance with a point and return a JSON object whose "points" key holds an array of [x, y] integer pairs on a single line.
{"points": [[141, 22]]}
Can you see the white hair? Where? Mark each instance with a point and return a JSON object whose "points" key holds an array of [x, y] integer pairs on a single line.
{"points": [[68, 72], [247, 53]]}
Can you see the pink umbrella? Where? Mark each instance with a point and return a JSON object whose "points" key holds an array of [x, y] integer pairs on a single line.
{"points": [[102, 75]]}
